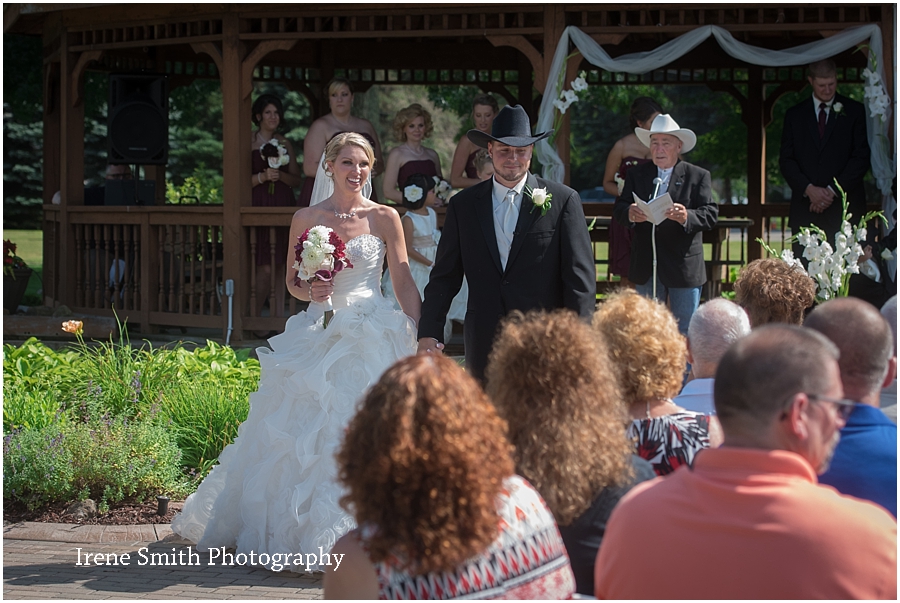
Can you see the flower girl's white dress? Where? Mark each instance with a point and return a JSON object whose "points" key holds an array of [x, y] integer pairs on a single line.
{"points": [[274, 489]]}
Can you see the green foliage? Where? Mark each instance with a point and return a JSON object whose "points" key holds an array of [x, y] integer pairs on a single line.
{"points": [[200, 395], [204, 420], [109, 459], [201, 188]]}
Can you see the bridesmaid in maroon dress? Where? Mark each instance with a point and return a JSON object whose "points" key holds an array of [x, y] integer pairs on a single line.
{"points": [[267, 112], [412, 125], [462, 171], [626, 153], [338, 121]]}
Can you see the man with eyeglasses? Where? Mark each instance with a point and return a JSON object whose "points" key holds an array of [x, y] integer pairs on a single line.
{"points": [[865, 461], [751, 514]]}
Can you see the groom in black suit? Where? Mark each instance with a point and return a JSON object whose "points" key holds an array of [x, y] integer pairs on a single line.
{"points": [[824, 138], [516, 253]]}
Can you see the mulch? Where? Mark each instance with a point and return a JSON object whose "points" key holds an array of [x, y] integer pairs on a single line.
{"points": [[126, 514]]}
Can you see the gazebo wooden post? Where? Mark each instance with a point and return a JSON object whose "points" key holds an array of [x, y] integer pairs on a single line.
{"points": [[235, 168], [71, 164], [755, 120], [51, 155], [554, 24]]}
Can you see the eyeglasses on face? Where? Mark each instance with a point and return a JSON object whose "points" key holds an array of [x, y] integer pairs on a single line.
{"points": [[845, 406]]}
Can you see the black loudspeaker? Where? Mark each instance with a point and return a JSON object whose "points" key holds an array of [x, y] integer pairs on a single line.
{"points": [[138, 126]]}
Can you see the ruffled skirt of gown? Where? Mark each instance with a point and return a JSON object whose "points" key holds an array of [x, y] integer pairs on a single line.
{"points": [[274, 489]]}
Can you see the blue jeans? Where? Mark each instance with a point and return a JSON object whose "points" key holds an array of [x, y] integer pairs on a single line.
{"points": [[683, 301]]}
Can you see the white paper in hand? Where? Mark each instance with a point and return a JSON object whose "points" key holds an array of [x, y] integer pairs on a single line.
{"points": [[655, 209]]}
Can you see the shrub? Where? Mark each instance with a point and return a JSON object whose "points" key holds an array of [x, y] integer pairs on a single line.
{"points": [[205, 419], [108, 459]]}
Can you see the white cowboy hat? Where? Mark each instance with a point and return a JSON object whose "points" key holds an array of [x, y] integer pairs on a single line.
{"points": [[664, 124]]}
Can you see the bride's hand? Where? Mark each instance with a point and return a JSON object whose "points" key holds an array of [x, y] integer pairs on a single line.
{"points": [[319, 291]]}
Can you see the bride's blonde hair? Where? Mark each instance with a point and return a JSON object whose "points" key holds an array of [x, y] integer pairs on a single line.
{"points": [[334, 146]]}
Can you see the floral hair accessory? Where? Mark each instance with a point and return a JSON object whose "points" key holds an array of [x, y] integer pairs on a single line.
{"points": [[413, 193]]}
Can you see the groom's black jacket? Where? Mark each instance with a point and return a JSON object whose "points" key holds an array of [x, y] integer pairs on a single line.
{"points": [[551, 265]]}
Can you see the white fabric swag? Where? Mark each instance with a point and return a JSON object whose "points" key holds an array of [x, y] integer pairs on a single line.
{"points": [[883, 164]]}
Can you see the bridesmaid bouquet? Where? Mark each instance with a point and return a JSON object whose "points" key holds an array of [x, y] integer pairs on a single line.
{"points": [[276, 155], [442, 189], [319, 255]]}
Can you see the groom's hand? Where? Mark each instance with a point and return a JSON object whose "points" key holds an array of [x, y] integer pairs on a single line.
{"points": [[430, 345]]}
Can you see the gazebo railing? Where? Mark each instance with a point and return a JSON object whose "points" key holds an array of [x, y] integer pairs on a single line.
{"points": [[165, 266]]}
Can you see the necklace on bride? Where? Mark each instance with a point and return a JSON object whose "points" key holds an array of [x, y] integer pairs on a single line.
{"points": [[421, 150], [350, 214]]}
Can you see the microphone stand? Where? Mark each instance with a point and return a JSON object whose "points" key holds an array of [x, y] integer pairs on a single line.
{"points": [[657, 182]]}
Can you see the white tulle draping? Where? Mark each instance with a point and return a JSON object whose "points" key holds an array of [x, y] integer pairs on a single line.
{"points": [[883, 163]]}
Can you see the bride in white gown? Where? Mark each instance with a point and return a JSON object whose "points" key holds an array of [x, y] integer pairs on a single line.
{"points": [[274, 489]]}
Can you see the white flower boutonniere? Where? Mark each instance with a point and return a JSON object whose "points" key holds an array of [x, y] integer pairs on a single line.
{"points": [[838, 108], [540, 199]]}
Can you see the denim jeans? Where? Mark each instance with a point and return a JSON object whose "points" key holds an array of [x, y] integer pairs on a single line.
{"points": [[683, 301]]}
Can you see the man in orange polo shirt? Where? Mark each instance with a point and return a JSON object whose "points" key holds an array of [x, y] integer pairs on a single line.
{"points": [[749, 520]]}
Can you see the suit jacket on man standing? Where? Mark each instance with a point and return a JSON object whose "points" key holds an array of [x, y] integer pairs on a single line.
{"points": [[842, 153], [679, 248], [550, 265]]}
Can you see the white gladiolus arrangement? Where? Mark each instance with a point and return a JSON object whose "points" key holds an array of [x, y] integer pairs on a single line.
{"points": [[830, 267]]}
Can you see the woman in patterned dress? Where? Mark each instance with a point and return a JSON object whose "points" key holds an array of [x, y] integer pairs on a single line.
{"points": [[651, 356], [441, 514]]}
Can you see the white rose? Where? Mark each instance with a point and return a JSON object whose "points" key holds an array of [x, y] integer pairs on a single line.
{"points": [[838, 107], [539, 196], [412, 193]]}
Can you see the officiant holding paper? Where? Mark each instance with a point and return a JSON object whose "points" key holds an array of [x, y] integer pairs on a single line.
{"points": [[680, 269]]}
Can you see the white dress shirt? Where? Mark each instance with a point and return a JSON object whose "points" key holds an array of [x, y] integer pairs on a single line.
{"points": [[498, 198]]}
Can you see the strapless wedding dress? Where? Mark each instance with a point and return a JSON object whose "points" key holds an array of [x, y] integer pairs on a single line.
{"points": [[274, 489]]}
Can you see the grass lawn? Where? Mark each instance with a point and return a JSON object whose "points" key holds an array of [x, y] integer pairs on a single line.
{"points": [[30, 247]]}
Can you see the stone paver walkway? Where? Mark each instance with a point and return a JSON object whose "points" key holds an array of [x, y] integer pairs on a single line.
{"points": [[40, 561]]}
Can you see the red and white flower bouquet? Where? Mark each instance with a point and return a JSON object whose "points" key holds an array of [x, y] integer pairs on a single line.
{"points": [[319, 255]]}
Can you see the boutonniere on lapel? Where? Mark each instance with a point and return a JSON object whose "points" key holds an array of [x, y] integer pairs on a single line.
{"points": [[540, 199], [838, 109]]}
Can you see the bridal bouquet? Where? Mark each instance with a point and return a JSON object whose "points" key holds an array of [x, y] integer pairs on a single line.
{"points": [[319, 255], [830, 267], [276, 155]]}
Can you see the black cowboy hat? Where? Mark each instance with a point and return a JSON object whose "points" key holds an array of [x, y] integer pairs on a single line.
{"points": [[511, 126]]}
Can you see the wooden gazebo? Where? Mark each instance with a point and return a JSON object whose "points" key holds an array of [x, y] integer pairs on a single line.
{"points": [[178, 259]]}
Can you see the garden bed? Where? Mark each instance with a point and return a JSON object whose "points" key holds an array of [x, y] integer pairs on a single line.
{"points": [[126, 514]]}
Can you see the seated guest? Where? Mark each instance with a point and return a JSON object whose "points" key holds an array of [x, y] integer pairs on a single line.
{"points": [[649, 355], [749, 520], [865, 461], [771, 290], [716, 325], [567, 432], [429, 478], [888, 398]]}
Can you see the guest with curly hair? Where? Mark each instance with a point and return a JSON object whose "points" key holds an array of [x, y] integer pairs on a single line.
{"points": [[649, 354], [550, 377], [771, 290], [429, 476], [412, 126]]}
